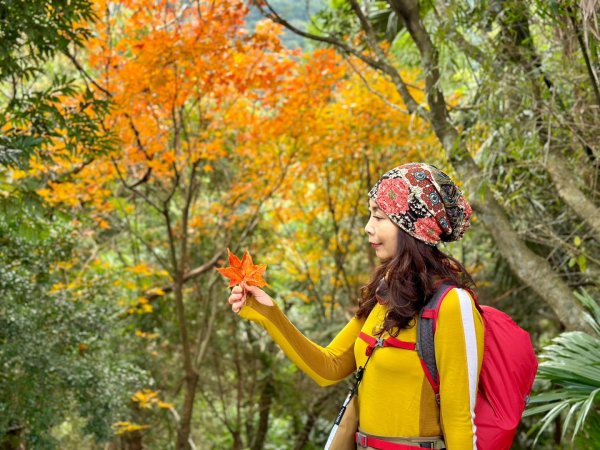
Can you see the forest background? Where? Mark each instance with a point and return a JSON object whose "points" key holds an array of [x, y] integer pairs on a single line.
{"points": [[142, 138]]}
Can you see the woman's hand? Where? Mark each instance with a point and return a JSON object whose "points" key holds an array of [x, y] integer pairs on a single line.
{"points": [[237, 299]]}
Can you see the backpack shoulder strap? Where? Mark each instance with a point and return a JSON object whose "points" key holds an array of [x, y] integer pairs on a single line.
{"points": [[425, 337]]}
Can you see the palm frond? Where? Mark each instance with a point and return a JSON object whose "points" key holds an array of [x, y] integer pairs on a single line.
{"points": [[571, 364], [592, 316]]}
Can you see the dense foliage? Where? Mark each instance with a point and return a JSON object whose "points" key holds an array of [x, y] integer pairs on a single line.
{"points": [[142, 138], [571, 363], [44, 107], [57, 336]]}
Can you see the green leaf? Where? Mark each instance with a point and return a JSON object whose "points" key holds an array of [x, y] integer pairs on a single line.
{"points": [[582, 262], [572, 363]]}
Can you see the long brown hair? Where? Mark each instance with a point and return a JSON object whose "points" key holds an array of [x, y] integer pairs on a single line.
{"points": [[406, 281]]}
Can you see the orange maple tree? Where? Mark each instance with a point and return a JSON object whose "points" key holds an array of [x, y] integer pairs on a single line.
{"points": [[218, 127], [192, 91]]}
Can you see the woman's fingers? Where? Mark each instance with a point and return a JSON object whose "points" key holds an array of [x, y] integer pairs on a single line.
{"points": [[237, 289], [237, 298], [236, 307]]}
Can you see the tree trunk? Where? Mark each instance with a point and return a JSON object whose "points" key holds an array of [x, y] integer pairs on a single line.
{"points": [[191, 375], [313, 414], [533, 270], [185, 426], [180, 268], [519, 44], [565, 183], [133, 441], [264, 405], [12, 439], [238, 444]]}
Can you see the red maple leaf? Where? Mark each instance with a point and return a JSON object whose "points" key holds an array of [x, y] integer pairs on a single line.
{"points": [[244, 270]]}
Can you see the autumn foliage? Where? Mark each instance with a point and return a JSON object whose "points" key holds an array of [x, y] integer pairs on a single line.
{"points": [[224, 137]]}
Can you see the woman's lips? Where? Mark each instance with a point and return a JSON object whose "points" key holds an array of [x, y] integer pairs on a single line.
{"points": [[375, 245]]}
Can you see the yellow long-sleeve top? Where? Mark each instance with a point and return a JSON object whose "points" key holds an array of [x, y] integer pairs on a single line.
{"points": [[395, 397]]}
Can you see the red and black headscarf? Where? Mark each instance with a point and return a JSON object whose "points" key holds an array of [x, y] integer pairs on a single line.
{"points": [[424, 202]]}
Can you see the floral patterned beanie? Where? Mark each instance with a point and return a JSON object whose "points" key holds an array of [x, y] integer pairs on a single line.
{"points": [[423, 201]]}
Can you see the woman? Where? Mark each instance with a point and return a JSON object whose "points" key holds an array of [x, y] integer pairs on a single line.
{"points": [[413, 208]]}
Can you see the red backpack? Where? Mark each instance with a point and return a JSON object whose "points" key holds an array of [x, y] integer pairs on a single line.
{"points": [[507, 372]]}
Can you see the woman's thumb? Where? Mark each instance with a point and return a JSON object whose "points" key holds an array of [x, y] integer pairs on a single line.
{"points": [[252, 290], [256, 292]]}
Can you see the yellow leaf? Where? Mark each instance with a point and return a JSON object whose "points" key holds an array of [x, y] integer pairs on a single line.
{"points": [[156, 291], [127, 427]]}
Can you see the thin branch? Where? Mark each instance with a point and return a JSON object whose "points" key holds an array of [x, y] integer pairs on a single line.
{"points": [[177, 419], [370, 34], [383, 65], [586, 56], [496, 300], [204, 334], [151, 249], [275, 17], [133, 189], [142, 148], [469, 49], [86, 75], [172, 245], [61, 177], [374, 91], [211, 404], [177, 18]]}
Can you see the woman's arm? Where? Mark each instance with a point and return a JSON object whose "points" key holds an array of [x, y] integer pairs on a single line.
{"points": [[325, 365], [459, 353]]}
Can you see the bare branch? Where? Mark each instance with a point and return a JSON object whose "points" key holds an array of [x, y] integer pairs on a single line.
{"points": [[133, 189], [368, 29], [453, 33], [374, 91], [86, 75], [205, 333], [146, 244], [142, 148], [177, 18], [585, 51]]}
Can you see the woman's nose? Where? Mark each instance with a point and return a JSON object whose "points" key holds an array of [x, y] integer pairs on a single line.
{"points": [[369, 228]]}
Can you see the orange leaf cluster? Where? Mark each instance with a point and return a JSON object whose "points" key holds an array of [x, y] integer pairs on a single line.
{"points": [[243, 270], [196, 95]]}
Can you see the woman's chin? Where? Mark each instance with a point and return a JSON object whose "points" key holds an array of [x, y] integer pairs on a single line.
{"points": [[382, 255]]}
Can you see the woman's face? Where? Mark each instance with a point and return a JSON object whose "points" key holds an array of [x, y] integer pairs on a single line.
{"points": [[382, 233]]}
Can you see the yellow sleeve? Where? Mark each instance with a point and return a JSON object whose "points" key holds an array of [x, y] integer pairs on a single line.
{"points": [[325, 365], [459, 353]]}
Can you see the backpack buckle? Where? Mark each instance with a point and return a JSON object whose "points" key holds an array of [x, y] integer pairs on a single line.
{"points": [[361, 439]]}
